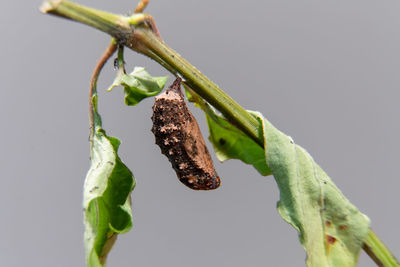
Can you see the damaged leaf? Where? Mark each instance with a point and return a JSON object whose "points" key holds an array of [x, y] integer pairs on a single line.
{"points": [[331, 229], [106, 196]]}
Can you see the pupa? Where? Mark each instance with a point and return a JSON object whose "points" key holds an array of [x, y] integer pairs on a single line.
{"points": [[179, 137]]}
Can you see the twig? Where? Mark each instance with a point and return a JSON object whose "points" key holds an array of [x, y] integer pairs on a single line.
{"points": [[110, 50], [141, 6]]}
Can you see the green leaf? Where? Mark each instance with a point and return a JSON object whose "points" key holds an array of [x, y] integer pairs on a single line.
{"points": [[139, 85], [107, 195], [331, 229], [231, 143]]}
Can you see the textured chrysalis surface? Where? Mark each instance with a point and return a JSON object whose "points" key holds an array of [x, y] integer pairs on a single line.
{"points": [[178, 135]]}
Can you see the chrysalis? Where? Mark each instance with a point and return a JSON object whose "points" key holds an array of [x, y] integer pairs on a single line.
{"points": [[178, 135]]}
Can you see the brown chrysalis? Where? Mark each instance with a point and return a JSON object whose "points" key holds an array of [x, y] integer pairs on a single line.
{"points": [[178, 135]]}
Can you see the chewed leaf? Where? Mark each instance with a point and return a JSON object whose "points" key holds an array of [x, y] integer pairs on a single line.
{"points": [[106, 197], [139, 85], [331, 229]]}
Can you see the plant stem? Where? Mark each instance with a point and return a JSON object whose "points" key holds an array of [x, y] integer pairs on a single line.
{"points": [[141, 6], [115, 25], [142, 39], [93, 85], [378, 252]]}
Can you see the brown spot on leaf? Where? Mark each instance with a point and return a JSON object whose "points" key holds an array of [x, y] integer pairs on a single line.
{"points": [[328, 223], [330, 239], [343, 227]]}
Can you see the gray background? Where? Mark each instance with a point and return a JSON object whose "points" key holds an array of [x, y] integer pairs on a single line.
{"points": [[324, 72]]}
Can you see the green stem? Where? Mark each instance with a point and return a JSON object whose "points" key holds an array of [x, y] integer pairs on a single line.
{"points": [[115, 25], [378, 252], [141, 39]]}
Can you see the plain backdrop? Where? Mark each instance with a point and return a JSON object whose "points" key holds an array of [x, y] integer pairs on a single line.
{"points": [[324, 72]]}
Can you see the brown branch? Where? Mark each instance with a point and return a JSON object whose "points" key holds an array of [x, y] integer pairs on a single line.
{"points": [[110, 50], [141, 6]]}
